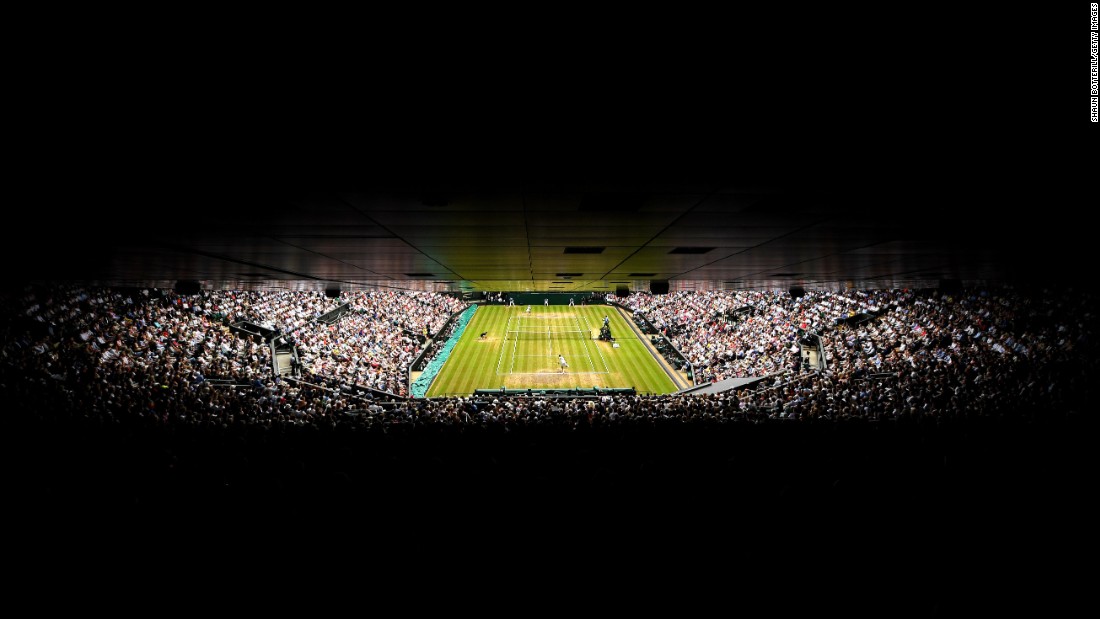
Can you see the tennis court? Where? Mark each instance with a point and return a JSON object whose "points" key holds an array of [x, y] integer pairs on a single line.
{"points": [[520, 349], [532, 344]]}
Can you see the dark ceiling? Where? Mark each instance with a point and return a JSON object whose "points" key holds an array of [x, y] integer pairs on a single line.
{"points": [[526, 220], [850, 181], [771, 223]]}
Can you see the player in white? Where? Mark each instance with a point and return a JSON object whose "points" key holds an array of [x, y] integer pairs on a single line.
{"points": [[528, 309], [571, 302], [561, 361]]}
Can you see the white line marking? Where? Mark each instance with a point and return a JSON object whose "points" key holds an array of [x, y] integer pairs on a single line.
{"points": [[502, 344], [584, 343], [606, 369], [548, 371], [521, 318], [515, 343]]}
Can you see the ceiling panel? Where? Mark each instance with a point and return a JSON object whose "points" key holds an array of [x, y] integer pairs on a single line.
{"points": [[428, 233], [504, 223], [718, 234]]}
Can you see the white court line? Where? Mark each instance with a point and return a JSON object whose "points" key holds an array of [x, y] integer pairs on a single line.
{"points": [[551, 372], [503, 344], [501, 359], [606, 370], [521, 319], [515, 343], [584, 342]]}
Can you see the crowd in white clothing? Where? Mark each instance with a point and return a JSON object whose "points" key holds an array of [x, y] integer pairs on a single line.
{"points": [[914, 353]]}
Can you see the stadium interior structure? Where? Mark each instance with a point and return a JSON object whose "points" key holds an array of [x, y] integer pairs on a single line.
{"points": [[853, 247], [877, 335]]}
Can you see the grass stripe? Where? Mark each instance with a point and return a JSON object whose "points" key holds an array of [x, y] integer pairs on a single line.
{"points": [[475, 362]]}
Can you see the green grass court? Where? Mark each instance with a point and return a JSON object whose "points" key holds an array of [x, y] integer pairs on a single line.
{"points": [[520, 351]]}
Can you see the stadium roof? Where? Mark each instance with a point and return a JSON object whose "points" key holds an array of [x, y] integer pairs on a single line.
{"points": [[859, 199]]}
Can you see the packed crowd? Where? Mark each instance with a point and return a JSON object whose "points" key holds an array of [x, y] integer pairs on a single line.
{"points": [[170, 359], [374, 344], [287, 310], [121, 335], [941, 355], [702, 326], [726, 334], [437, 345], [148, 404]]}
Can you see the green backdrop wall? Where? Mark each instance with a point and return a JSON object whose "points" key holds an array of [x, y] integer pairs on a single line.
{"points": [[556, 298]]}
